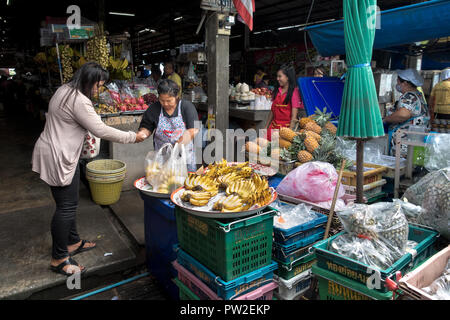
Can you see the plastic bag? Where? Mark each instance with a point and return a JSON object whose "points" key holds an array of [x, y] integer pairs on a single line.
{"points": [[176, 168], [292, 215], [372, 252], [437, 153], [431, 193], [312, 181], [383, 221], [155, 165], [191, 76], [339, 206], [440, 288]]}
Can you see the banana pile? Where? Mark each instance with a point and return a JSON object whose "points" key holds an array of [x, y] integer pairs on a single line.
{"points": [[163, 181], [97, 50], [243, 188], [66, 63]]}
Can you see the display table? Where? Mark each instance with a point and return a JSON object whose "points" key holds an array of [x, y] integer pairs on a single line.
{"points": [[259, 118], [132, 154]]}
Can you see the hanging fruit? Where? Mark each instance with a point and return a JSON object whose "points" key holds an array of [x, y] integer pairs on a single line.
{"points": [[66, 62]]}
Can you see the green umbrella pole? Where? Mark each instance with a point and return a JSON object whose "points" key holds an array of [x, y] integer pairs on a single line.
{"points": [[360, 171]]}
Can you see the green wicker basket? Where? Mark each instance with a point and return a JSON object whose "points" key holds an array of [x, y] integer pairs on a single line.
{"points": [[105, 180]]}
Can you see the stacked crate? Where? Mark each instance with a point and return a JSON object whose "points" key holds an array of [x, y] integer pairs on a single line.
{"points": [[227, 259], [292, 252], [342, 278]]}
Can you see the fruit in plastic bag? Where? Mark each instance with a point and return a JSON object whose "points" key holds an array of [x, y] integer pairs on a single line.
{"points": [[312, 181]]}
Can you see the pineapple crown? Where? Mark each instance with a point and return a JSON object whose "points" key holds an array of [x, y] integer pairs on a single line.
{"points": [[322, 117]]}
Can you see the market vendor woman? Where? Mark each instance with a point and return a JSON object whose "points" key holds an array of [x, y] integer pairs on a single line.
{"points": [[56, 153], [171, 120], [410, 109], [286, 102]]}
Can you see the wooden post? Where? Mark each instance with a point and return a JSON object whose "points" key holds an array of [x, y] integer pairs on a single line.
{"points": [[333, 203], [359, 171], [218, 56]]}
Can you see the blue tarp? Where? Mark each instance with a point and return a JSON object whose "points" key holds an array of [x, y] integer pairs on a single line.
{"points": [[404, 25]]}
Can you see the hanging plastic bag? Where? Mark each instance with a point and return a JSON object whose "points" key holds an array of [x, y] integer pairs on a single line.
{"points": [[191, 76], [437, 153], [176, 169], [155, 165], [312, 181], [432, 194]]}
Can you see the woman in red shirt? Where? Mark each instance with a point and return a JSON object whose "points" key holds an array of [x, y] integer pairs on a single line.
{"points": [[286, 102]]}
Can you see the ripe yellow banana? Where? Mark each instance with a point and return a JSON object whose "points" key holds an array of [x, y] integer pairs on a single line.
{"points": [[199, 203]]}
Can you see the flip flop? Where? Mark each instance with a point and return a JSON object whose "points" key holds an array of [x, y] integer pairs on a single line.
{"points": [[59, 268], [81, 248]]}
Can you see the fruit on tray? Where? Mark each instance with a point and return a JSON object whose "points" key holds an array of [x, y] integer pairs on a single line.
{"points": [[287, 134], [105, 109], [243, 188], [252, 147], [263, 143]]}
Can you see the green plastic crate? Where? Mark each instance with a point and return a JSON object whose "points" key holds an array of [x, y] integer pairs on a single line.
{"points": [[230, 249], [332, 286], [358, 271], [185, 293], [289, 271]]}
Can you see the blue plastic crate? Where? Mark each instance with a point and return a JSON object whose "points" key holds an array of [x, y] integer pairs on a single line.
{"points": [[231, 289], [297, 233], [290, 248]]}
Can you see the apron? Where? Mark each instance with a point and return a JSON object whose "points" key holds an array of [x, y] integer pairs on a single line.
{"points": [[281, 115], [170, 130]]}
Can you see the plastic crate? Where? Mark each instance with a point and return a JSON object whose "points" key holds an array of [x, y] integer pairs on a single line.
{"points": [[371, 176], [185, 293], [230, 249], [360, 272], [288, 253], [289, 271], [203, 292], [293, 288], [411, 285], [300, 232], [231, 289], [332, 286]]}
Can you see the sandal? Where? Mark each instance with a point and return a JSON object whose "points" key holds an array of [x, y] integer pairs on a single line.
{"points": [[60, 267], [81, 248]]}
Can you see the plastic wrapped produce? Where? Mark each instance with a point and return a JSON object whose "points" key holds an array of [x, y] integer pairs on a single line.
{"points": [[438, 151], [155, 165], [384, 221], [432, 194], [292, 215], [312, 181], [440, 288]]}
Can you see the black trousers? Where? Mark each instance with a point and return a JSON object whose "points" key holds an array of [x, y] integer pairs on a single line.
{"points": [[63, 227]]}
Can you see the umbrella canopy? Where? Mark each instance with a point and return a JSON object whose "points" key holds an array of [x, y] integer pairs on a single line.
{"points": [[360, 113]]}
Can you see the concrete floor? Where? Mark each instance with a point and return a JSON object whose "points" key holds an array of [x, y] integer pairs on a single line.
{"points": [[26, 209]]}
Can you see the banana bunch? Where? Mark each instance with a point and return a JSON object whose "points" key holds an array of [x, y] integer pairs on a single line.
{"points": [[232, 203], [200, 183], [243, 188], [117, 64], [198, 199], [170, 185], [40, 58], [97, 50], [66, 63]]}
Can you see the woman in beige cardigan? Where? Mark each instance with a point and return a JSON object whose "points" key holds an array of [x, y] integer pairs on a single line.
{"points": [[56, 154]]}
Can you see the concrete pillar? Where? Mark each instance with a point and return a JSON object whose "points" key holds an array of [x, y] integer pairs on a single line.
{"points": [[218, 55]]}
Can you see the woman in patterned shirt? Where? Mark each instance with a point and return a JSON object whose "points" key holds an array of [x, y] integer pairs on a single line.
{"points": [[410, 109]]}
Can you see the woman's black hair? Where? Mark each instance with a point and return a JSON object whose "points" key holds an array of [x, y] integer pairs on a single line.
{"points": [[169, 87], [85, 78], [289, 72]]}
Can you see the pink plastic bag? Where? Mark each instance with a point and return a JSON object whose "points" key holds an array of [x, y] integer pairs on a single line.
{"points": [[313, 181]]}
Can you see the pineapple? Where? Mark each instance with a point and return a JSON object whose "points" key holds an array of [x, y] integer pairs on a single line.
{"points": [[326, 150], [331, 128], [311, 126], [311, 144], [304, 156], [321, 117], [313, 134], [252, 147], [304, 122], [285, 144], [287, 134]]}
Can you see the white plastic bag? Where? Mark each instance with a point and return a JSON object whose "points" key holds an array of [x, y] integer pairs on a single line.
{"points": [[438, 153], [155, 165], [312, 181], [176, 170]]}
